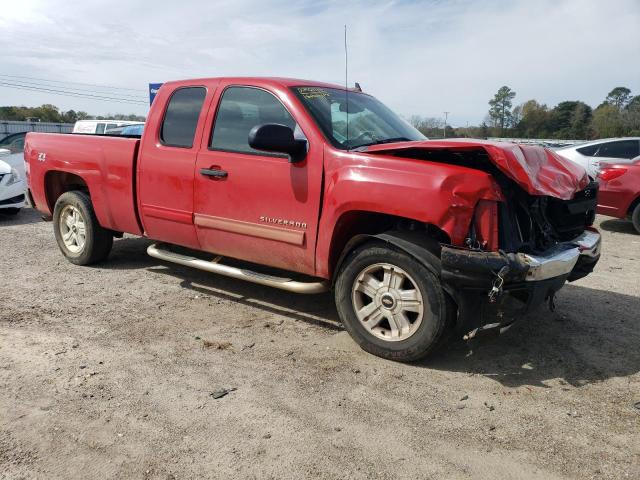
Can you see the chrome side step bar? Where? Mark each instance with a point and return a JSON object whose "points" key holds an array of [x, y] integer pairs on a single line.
{"points": [[156, 251]]}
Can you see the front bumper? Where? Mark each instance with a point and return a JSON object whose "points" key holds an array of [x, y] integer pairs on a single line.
{"points": [[492, 289]]}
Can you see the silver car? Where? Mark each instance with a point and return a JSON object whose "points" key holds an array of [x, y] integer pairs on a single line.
{"points": [[591, 154], [12, 182]]}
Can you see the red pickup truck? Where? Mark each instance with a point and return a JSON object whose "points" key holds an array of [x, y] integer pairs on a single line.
{"points": [[415, 237]]}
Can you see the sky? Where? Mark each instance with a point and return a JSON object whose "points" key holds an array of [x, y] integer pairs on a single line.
{"points": [[418, 57]]}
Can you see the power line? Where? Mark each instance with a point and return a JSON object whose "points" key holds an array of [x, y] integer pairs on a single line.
{"points": [[76, 90], [70, 93], [74, 83]]}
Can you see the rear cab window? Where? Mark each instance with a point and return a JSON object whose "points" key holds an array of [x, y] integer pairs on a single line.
{"points": [[181, 117]]}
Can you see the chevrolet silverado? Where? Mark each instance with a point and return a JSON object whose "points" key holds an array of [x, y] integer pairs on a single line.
{"points": [[331, 190]]}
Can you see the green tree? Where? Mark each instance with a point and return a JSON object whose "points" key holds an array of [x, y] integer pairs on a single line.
{"points": [[631, 117], [535, 120], [607, 121], [581, 121], [619, 97], [500, 111], [570, 119], [69, 116], [46, 113], [484, 130], [10, 113]]}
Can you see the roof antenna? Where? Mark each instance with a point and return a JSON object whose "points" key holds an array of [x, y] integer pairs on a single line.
{"points": [[346, 80]]}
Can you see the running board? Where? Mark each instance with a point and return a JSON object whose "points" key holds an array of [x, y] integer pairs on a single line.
{"points": [[156, 251]]}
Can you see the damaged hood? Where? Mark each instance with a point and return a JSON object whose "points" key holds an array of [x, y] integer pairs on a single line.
{"points": [[537, 170]]}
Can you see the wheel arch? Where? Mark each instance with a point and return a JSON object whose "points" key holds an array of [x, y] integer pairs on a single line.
{"points": [[57, 182], [426, 250], [633, 206], [356, 227]]}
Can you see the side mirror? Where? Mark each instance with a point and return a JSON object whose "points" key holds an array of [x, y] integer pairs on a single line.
{"points": [[273, 137]]}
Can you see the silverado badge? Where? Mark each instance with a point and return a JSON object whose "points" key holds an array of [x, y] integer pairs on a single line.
{"points": [[280, 221]]}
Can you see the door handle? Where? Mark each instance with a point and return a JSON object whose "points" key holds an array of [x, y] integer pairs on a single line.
{"points": [[208, 172]]}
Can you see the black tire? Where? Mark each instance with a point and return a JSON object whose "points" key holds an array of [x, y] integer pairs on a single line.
{"points": [[635, 218], [10, 211], [427, 336], [98, 240]]}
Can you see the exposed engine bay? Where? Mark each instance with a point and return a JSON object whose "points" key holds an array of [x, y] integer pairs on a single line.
{"points": [[527, 223]]}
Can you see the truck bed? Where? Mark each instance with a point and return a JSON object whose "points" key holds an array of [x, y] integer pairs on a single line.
{"points": [[107, 165]]}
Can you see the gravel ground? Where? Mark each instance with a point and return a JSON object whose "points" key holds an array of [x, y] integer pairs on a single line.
{"points": [[112, 372]]}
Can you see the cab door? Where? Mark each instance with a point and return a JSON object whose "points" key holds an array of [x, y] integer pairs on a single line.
{"points": [[250, 204], [166, 165]]}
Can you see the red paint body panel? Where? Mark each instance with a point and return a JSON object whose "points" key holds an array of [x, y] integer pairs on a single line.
{"points": [[617, 195], [430, 192], [538, 171], [164, 185], [104, 163]]}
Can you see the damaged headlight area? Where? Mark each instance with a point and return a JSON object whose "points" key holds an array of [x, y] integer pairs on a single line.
{"points": [[519, 253], [533, 224]]}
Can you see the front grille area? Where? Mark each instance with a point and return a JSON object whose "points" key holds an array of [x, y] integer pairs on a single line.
{"points": [[569, 217], [532, 224]]}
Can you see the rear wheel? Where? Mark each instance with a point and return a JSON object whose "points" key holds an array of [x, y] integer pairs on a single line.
{"points": [[79, 235], [635, 218], [390, 303]]}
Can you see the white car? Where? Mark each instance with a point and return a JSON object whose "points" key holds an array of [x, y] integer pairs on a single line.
{"points": [[12, 182], [591, 154]]}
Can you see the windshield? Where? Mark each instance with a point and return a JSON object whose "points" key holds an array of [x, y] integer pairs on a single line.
{"points": [[369, 121]]}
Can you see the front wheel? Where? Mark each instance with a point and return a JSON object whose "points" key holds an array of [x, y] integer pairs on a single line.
{"points": [[79, 235], [390, 303]]}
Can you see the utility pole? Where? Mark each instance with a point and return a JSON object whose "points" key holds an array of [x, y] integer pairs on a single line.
{"points": [[444, 129]]}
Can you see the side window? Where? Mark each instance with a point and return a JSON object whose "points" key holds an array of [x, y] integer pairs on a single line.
{"points": [[181, 118], [100, 128], [241, 109], [621, 149], [589, 151]]}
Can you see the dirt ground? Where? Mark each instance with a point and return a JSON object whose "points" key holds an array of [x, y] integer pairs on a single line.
{"points": [[112, 372]]}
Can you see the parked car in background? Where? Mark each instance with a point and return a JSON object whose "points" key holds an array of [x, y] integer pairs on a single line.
{"points": [[592, 154], [620, 191], [14, 142], [99, 127], [12, 182]]}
